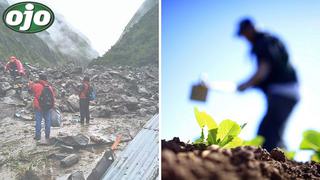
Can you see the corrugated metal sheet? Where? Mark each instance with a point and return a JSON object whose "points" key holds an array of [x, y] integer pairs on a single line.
{"points": [[140, 159]]}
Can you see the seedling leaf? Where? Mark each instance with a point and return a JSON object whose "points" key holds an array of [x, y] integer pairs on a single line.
{"points": [[199, 119], [225, 135], [257, 141], [290, 154], [316, 157], [212, 136], [225, 141], [227, 130], [211, 124], [204, 119], [311, 140], [201, 139], [237, 141]]}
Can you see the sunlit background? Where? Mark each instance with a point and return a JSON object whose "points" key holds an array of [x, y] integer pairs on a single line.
{"points": [[199, 37]]}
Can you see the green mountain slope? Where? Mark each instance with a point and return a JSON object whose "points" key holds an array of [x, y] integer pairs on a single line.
{"points": [[138, 45], [144, 8], [27, 47]]}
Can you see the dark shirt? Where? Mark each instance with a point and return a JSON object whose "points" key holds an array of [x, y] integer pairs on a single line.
{"points": [[84, 90], [271, 50]]}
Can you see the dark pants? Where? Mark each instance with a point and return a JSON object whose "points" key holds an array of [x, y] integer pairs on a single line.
{"points": [[84, 110], [273, 123]]}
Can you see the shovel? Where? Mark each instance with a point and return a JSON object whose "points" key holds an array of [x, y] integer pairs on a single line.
{"points": [[199, 91]]}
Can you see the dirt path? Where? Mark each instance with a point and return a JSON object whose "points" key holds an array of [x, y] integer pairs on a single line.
{"points": [[19, 151]]}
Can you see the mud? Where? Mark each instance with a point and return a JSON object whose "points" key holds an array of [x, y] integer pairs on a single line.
{"points": [[19, 152], [186, 161], [126, 98]]}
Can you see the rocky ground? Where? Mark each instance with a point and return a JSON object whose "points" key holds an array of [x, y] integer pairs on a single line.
{"points": [[187, 161], [126, 98]]}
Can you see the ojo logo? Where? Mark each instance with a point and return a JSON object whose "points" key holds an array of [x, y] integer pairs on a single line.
{"points": [[28, 17]]}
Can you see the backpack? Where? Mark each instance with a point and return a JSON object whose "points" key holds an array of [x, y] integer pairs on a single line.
{"points": [[91, 93], [55, 118], [46, 100], [13, 66]]}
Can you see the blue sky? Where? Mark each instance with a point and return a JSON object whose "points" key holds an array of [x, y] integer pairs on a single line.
{"points": [[199, 37]]}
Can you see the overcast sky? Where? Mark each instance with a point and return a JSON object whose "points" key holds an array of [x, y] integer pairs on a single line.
{"points": [[102, 21]]}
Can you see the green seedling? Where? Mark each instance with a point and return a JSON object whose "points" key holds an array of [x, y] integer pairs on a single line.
{"points": [[289, 154], [257, 141], [311, 141], [224, 135]]}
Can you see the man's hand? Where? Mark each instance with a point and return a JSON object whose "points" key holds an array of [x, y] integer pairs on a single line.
{"points": [[30, 82], [242, 87], [261, 73]]}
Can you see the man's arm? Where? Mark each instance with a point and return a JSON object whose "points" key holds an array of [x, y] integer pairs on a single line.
{"points": [[53, 91], [261, 73], [30, 87], [6, 67]]}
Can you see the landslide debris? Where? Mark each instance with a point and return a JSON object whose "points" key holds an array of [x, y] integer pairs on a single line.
{"points": [[121, 91]]}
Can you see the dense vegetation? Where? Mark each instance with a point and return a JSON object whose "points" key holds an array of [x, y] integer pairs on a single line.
{"points": [[138, 46]]}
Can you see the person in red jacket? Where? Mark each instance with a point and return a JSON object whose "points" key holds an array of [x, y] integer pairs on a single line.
{"points": [[43, 102], [84, 100], [15, 67]]}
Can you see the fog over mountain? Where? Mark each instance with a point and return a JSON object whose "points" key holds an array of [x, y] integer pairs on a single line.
{"points": [[59, 44], [69, 41]]}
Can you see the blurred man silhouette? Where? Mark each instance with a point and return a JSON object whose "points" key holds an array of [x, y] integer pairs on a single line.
{"points": [[275, 76]]}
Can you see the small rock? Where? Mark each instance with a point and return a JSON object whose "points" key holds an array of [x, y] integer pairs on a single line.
{"points": [[278, 155], [76, 176], [5, 86], [69, 160], [11, 92], [97, 140], [152, 110], [29, 175], [73, 101], [142, 112]]}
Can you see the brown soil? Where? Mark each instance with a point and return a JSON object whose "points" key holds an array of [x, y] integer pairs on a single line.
{"points": [[187, 161]]}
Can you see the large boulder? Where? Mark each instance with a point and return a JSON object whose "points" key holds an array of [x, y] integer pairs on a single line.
{"points": [[73, 102], [102, 111], [131, 102], [79, 140], [5, 86]]}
